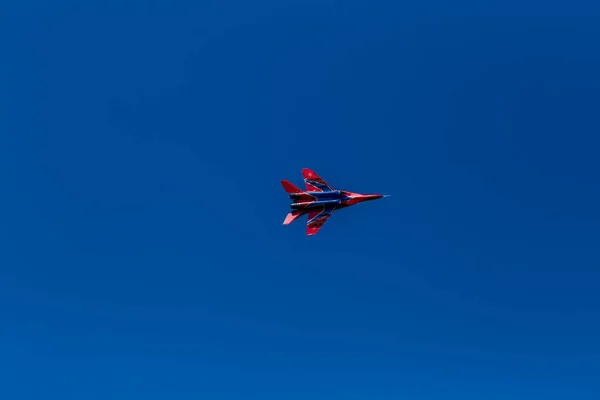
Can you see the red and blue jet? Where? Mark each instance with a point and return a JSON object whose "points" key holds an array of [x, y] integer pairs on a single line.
{"points": [[319, 200]]}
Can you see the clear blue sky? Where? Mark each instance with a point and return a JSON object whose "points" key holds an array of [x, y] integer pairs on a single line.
{"points": [[142, 254]]}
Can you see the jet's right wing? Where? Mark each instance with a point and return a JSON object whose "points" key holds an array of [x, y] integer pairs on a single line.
{"points": [[316, 219], [314, 183]]}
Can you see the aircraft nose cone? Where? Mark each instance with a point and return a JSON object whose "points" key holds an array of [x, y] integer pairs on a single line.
{"points": [[372, 196]]}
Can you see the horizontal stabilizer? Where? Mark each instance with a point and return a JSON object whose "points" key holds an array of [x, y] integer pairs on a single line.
{"points": [[292, 216], [290, 188]]}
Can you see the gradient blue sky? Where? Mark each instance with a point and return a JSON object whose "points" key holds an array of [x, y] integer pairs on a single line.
{"points": [[142, 253]]}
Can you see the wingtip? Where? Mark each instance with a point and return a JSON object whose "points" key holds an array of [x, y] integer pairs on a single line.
{"points": [[307, 173]]}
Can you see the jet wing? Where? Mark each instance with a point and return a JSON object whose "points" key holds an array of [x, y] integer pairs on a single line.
{"points": [[316, 219], [314, 183]]}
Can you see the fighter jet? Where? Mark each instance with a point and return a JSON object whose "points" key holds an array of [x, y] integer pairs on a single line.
{"points": [[319, 200]]}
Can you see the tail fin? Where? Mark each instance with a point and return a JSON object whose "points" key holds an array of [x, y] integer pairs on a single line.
{"points": [[289, 188]]}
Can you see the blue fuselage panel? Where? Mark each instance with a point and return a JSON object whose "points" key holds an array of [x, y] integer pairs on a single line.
{"points": [[326, 195], [316, 204]]}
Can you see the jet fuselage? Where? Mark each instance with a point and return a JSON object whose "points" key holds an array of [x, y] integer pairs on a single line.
{"points": [[338, 198]]}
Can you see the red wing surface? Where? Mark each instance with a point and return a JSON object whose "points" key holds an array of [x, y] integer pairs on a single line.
{"points": [[316, 219], [314, 183]]}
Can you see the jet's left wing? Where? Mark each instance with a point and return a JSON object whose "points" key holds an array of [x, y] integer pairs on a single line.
{"points": [[314, 183], [316, 219]]}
